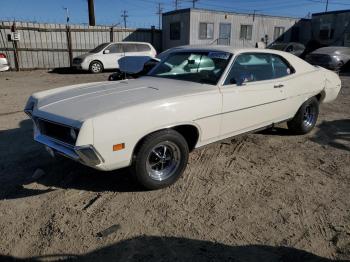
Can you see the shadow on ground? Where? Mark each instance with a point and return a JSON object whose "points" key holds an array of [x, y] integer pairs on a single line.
{"points": [[71, 71], [149, 248], [334, 133], [21, 156]]}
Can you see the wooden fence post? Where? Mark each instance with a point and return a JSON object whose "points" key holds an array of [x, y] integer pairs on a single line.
{"points": [[15, 48], [69, 45], [111, 37], [153, 29]]}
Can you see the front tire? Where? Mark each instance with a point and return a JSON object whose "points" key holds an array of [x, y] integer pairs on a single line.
{"points": [[96, 67], [306, 117], [160, 159]]}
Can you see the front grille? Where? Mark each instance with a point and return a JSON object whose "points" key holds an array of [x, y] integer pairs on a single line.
{"points": [[56, 131]]}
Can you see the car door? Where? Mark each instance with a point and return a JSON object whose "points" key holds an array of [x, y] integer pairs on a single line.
{"points": [[253, 93], [111, 55]]}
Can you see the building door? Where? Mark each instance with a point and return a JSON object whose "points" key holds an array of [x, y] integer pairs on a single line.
{"points": [[224, 34]]}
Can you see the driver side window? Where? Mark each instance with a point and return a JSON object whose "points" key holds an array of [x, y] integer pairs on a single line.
{"points": [[252, 67], [115, 48]]}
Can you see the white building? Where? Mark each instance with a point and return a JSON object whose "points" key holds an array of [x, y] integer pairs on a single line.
{"points": [[199, 26]]}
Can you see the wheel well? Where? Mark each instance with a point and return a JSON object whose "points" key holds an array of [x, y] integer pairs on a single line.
{"points": [[320, 96], [189, 132]]}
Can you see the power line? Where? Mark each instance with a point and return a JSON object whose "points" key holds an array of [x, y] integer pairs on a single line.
{"points": [[124, 16]]}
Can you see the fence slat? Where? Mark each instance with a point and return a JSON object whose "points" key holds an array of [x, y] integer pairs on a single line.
{"points": [[50, 46]]}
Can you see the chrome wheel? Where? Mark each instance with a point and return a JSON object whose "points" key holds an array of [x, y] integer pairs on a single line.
{"points": [[309, 116], [96, 67], [163, 160]]}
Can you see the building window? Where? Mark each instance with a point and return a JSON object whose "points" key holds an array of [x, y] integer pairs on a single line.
{"points": [[278, 33], [246, 32], [175, 31], [206, 30]]}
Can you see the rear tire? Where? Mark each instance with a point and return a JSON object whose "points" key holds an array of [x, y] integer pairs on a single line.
{"points": [[160, 159], [306, 117], [96, 67]]}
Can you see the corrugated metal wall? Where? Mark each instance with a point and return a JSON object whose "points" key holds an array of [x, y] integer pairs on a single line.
{"points": [[184, 20], [262, 25], [46, 45], [338, 25]]}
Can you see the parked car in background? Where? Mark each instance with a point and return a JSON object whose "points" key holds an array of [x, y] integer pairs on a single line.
{"points": [[4, 64], [193, 97], [106, 56], [331, 57], [292, 47], [133, 67]]}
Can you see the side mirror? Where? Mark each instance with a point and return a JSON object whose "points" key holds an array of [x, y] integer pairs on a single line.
{"points": [[106, 51], [234, 81]]}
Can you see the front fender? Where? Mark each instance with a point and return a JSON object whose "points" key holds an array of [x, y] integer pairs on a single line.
{"points": [[130, 125]]}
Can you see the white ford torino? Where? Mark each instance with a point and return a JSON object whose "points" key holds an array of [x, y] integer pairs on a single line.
{"points": [[193, 97]]}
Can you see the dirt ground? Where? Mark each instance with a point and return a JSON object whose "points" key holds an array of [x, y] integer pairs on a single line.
{"points": [[269, 196]]}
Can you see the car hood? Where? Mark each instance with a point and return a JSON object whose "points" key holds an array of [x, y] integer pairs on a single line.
{"points": [[83, 56], [74, 104]]}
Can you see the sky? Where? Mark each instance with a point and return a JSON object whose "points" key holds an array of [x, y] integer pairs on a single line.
{"points": [[142, 13]]}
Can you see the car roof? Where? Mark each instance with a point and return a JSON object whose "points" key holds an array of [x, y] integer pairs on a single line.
{"points": [[224, 48], [332, 49], [129, 42]]}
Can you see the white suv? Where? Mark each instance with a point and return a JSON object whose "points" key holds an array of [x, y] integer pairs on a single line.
{"points": [[106, 55]]}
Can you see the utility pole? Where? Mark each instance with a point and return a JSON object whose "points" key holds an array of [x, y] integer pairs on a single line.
{"points": [[177, 4], [327, 6], [194, 3], [124, 15], [67, 14], [91, 13], [159, 13]]}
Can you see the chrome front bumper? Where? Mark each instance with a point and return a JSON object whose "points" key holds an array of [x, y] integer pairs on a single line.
{"points": [[86, 155]]}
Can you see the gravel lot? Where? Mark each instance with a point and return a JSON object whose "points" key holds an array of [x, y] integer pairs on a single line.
{"points": [[269, 196]]}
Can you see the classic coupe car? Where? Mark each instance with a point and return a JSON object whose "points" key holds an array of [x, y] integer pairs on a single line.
{"points": [[194, 97]]}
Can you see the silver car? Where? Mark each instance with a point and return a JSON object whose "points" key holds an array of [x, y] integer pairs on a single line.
{"points": [[292, 47], [4, 64], [332, 57]]}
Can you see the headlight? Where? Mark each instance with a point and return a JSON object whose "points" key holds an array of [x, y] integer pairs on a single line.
{"points": [[73, 134], [336, 58]]}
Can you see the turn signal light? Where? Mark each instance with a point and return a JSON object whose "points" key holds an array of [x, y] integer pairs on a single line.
{"points": [[118, 147]]}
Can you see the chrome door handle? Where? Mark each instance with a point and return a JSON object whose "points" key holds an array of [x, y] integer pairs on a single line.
{"points": [[278, 86]]}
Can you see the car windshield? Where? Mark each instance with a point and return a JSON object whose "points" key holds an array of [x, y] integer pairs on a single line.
{"points": [[99, 48], [200, 67], [278, 46]]}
